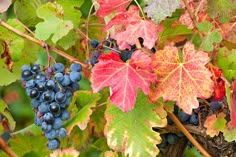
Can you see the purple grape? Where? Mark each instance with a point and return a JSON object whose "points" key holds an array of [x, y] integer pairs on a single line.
{"points": [[75, 76], [53, 144]]}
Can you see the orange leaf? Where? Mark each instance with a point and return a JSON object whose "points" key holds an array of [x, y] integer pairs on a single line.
{"points": [[182, 80]]}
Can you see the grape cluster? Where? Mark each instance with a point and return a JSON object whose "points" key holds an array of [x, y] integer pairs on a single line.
{"points": [[50, 92]]}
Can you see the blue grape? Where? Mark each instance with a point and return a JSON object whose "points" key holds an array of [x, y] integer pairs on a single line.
{"points": [[48, 118], [37, 121], [194, 119], [51, 134], [76, 67], [26, 75], [41, 86], [183, 117], [57, 123], [43, 108], [25, 67], [65, 115], [40, 78], [66, 80], [75, 86], [35, 103], [46, 127], [6, 136], [55, 108], [62, 133], [59, 67], [60, 97], [53, 144], [75, 76], [30, 84], [172, 138], [48, 96], [35, 68], [94, 43], [59, 77], [94, 58], [34, 93], [50, 85], [215, 105]]}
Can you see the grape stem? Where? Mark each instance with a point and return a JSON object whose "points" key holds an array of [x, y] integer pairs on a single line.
{"points": [[42, 43], [6, 148], [188, 135]]}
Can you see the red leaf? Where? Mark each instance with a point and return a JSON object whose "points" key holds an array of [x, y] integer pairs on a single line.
{"points": [[125, 17], [145, 29], [182, 80], [108, 6], [123, 78], [233, 105]]}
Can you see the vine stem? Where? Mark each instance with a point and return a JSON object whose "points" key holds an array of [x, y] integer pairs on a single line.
{"points": [[42, 43], [140, 8], [188, 135], [6, 148]]}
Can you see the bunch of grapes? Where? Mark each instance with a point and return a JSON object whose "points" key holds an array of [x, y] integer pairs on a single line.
{"points": [[50, 92]]}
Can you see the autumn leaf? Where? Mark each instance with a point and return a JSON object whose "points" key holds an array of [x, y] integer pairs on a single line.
{"points": [[215, 124], [123, 78], [132, 132], [229, 132], [183, 76], [159, 10], [68, 152], [145, 29], [106, 6], [232, 104], [5, 4], [125, 17]]}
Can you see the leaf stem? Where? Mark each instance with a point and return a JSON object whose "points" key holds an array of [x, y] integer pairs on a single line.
{"points": [[42, 43], [140, 9], [188, 135], [6, 148]]}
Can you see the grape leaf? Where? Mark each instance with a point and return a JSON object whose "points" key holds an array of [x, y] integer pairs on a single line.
{"points": [[132, 132], [215, 124], [232, 104], [145, 29], [24, 145], [14, 43], [207, 41], [53, 24], [229, 132], [68, 152], [123, 78], [82, 117], [25, 11], [5, 112], [5, 4], [183, 77], [106, 7], [226, 61], [125, 17], [158, 10], [204, 26], [221, 8], [71, 10]]}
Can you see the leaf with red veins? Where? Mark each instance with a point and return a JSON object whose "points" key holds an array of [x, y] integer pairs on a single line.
{"points": [[215, 124], [123, 78], [145, 29], [107, 6], [182, 81], [125, 17]]}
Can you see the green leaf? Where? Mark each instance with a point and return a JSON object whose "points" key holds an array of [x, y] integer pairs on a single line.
{"points": [[29, 130], [229, 133], [72, 10], [25, 11], [159, 10], [225, 60], [25, 145], [221, 8], [207, 41], [14, 42], [132, 132], [53, 24], [69, 40], [5, 112], [29, 56], [204, 26], [87, 100]]}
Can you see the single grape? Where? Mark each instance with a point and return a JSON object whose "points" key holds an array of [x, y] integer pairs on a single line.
{"points": [[30, 84], [41, 86], [46, 127], [37, 121], [54, 108], [215, 105], [59, 67], [43, 108], [34, 93], [35, 103], [65, 115], [51, 134], [75, 76], [94, 58], [94, 43], [183, 117], [26, 75], [53, 144], [60, 97], [62, 133], [59, 77], [48, 96], [76, 67], [25, 67], [50, 85], [75, 86], [35, 68], [48, 118], [194, 119], [40, 78], [172, 138], [66, 80], [57, 123]]}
